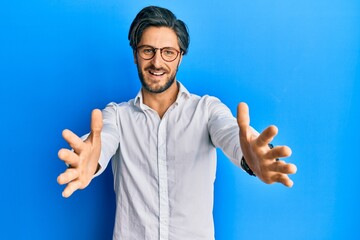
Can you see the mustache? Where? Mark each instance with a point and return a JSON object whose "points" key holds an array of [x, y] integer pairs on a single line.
{"points": [[152, 67]]}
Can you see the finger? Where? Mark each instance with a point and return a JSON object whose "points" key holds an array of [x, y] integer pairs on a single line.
{"points": [[267, 136], [283, 167], [243, 120], [96, 122], [74, 141], [278, 152], [69, 175], [71, 188], [243, 117], [284, 179], [69, 157], [291, 168]]}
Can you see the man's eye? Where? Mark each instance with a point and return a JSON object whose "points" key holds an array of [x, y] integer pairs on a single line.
{"points": [[147, 51], [169, 52]]}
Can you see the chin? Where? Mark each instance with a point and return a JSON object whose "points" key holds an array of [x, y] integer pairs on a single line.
{"points": [[157, 88]]}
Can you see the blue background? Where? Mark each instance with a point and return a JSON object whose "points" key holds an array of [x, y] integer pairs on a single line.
{"points": [[296, 63]]}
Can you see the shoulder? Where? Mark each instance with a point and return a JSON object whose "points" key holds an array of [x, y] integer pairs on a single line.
{"points": [[215, 107], [210, 102], [120, 108], [207, 106]]}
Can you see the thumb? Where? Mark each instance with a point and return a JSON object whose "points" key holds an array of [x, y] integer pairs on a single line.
{"points": [[243, 117], [96, 122]]}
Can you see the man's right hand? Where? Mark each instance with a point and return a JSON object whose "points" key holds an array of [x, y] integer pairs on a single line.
{"points": [[83, 160]]}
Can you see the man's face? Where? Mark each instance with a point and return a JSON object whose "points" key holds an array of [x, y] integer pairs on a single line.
{"points": [[156, 74]]}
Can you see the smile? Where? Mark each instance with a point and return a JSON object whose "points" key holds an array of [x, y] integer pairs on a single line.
{"points": [[156, 73]]}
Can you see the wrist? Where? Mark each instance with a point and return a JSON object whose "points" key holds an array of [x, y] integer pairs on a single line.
{"points": [[246, 167]]}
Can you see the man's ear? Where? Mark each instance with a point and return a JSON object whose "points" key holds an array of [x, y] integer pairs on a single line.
{"points": [[181, 57], [135, 57]]}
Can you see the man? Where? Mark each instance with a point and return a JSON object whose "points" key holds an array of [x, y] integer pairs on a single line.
{"points": [[163, 143]]}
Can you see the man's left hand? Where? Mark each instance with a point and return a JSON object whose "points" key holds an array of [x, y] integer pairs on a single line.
{"points": [[261, 159]]}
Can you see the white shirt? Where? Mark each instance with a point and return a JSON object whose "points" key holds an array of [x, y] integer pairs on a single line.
{"points": [[164, 169]]}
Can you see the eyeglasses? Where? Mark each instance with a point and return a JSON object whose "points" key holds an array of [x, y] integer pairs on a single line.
{"points": [[169, 54]]}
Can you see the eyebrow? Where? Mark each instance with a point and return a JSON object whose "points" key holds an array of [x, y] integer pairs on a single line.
{"points": [[147, 45]]}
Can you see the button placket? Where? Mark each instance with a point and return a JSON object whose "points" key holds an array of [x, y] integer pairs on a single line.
{"points": [[163, 182]]}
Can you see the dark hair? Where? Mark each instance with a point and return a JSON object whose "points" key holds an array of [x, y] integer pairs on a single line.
{"points": [[158, 17]]}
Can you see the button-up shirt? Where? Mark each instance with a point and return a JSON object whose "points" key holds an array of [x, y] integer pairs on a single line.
{"points": [[164, 168]]}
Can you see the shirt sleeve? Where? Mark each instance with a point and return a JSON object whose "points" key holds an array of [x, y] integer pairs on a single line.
{"points": [[224, 130]]}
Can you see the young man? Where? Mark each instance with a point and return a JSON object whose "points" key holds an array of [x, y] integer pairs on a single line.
{"points": [[163, 143]]}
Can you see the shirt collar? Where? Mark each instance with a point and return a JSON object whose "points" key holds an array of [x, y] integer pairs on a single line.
{"points": [[182, 95]]}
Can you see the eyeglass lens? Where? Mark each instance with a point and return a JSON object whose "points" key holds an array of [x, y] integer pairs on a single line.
{"points": [[169, 54]]}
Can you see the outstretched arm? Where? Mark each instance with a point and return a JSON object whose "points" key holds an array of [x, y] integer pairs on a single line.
{"points": [[83, 160], [259, 157]]}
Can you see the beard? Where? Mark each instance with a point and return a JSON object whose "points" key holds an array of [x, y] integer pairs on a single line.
{"points": [[170, 80]]}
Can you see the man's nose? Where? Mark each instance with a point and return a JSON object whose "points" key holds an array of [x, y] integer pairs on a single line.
{"points": [[157, 59]]}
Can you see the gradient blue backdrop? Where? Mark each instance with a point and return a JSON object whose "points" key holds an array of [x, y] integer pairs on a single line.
{"points": [[296, 63]]}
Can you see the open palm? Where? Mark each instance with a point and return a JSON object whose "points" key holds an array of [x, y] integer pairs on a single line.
{"points": [[83, 160], [262, 160]]}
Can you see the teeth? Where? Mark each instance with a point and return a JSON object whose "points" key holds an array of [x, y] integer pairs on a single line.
{"points": [[157, 73]]}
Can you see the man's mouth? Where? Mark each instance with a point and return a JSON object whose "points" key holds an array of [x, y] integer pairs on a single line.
{"points": [[156, 73]]}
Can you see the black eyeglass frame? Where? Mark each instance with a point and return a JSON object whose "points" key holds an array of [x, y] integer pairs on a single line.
{"points": [[154, 50]]}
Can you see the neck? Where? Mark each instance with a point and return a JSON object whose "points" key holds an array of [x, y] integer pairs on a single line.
{"points": [[160, 102]]}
